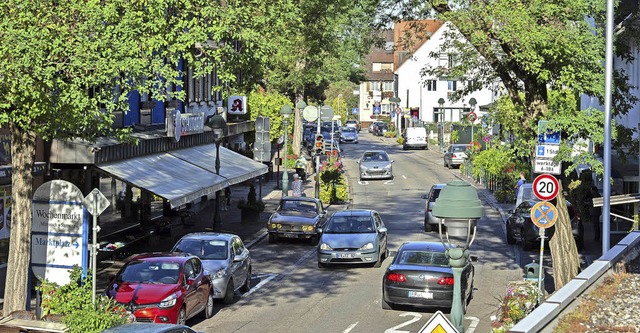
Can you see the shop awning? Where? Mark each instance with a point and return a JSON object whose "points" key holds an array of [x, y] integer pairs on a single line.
{"points": [[184, 175]]}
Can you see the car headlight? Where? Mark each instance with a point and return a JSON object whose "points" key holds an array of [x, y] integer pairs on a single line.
{"points": [[387, 167], [367, 246], [325, 246], [169, 301], [220, 273]]}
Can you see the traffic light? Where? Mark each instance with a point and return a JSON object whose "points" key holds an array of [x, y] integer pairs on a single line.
{"points": [[319, 144]]}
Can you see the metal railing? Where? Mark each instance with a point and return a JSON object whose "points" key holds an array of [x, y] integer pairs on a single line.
{"points": [[491, 182]]}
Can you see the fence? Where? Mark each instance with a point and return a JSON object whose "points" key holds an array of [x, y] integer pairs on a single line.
{"points": [[491, 182]]}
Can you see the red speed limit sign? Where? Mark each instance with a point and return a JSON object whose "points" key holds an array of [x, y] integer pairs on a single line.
{"points": [[545, 187]]}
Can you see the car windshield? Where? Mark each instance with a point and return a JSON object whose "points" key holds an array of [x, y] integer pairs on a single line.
{"points": [[298, 206], [423, 258], [150, 272], [348, 130], [204, 249], [350, 225], [434, 194], [370, 157]]}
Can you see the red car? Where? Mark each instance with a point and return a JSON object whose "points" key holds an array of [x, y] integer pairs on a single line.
{"points": [[163, 287]]}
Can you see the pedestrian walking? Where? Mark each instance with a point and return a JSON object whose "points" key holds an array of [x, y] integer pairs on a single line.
{"points": [[521, 181], [223, 198], [296, 186]]}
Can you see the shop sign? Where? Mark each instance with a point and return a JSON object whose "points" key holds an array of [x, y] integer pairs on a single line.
{"points": [[182, 124], [237, 105]]}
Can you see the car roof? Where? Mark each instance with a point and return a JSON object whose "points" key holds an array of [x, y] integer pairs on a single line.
{"points": [[374, 151], [422, 246], [161, 256], [208, 236], [354, 212], [145, 328]]}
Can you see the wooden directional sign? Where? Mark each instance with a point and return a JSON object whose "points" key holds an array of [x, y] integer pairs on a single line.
{"points": [[544, 214], [545, 187]]}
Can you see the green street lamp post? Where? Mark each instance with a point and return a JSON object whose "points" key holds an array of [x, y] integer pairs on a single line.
{"points": [[395, 100], [458, 209], [440, 122], [285, 111], [219, 127]]}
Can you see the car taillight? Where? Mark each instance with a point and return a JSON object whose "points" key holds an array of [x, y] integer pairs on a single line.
{"points": [[445, 281], [396, 277]]}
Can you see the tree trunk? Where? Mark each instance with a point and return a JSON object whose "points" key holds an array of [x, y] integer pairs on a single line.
{"points": [[564, 252], [22, 158]]}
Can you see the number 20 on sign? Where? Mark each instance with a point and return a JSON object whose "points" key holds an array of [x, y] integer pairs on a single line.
{"points": [[545, 187]]}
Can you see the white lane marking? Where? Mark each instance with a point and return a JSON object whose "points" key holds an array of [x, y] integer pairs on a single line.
{"points": [[389, 182], [350, 327], [472, 325], [262, 283], [403, 176], [363, 182]]}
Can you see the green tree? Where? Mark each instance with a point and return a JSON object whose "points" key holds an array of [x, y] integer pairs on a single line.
{"points": [[53, 53], [531, 48]]}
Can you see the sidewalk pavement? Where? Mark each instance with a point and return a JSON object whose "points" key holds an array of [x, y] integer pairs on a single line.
{"points": [[202, 220]]}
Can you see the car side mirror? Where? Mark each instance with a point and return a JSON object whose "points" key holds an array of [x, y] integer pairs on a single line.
{"points": [[382, 230], [238, 258], [391, 161], [319, 230]]}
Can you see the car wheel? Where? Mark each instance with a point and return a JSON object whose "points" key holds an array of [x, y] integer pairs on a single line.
{"points": [[379, 262], [272, 238], [182, 316], [511, 239], [314, 239], [229, 294], [208, 310], [247, 283], [386, 305], [427, 226]]}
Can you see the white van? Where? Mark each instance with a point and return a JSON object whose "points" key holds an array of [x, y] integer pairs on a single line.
{"points": [[415, 137]]}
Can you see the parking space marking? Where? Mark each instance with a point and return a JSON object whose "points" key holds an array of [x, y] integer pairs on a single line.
{"points": [[262, 283], [352, 326], [389, 182], [472, 325], [403, 176]]}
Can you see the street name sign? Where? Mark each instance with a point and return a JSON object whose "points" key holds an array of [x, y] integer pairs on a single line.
{"points": [[544, 214], [545, 187]]}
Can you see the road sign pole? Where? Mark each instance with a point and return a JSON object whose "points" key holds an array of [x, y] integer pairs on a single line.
{"points": [[94, 256], [541, 268]]}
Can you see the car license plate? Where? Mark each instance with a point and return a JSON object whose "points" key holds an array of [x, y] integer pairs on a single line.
{"points": [[420, 294], [345, 255], [289, 235]]}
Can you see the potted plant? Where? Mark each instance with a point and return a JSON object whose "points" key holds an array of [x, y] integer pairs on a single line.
{"points": [[251, 208]]}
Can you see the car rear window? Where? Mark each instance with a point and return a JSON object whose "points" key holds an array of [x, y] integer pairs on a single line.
{"points": [[423, 258], [434, 194]]}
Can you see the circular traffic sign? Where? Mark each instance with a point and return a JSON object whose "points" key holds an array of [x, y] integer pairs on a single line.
{"points": [[472, 116], [310, 113], [545, 187], [544, 214]]}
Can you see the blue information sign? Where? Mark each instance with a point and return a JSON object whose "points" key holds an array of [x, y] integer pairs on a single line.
{"points": [[546, 137], [354, 111], [377, 110]]}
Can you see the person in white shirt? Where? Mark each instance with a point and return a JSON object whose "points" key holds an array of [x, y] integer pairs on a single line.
{"points": [[296, 186]]}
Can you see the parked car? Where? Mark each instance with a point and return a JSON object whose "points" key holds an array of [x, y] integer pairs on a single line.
{"points": [[375, 164], [163, 287], [224, 256], [353, 236], [373, 125], [525, 193], [455, 155], [521, 228], [415, 137], [420, 276], [353, 123], [149, 328], [430, 221], [348, 134], [380, 128], [297, 217]]}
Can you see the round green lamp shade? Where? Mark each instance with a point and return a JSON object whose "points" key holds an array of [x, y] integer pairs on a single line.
{"points": [[458, 200], [286, 110]]}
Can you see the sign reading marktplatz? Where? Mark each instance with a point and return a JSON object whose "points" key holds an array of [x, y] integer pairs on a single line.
{"points": [[60, 231]]}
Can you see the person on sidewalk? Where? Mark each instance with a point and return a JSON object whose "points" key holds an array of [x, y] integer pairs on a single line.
{"points": [[521, 181], [296, 186], [301, 163]]}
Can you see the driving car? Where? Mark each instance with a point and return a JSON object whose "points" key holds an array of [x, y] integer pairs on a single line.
{"points": [[353, 236], [353, 123], [163, 287], [430, 221], [348, 134], [224, 256], [149, 328], [521, 228], [455, 155], [375, 164], [297, 217], [420, 276], [415, 137]]}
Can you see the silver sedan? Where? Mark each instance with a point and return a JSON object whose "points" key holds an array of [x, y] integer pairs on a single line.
{"points": [[375, 164], [353, 237], [224, 256]]}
